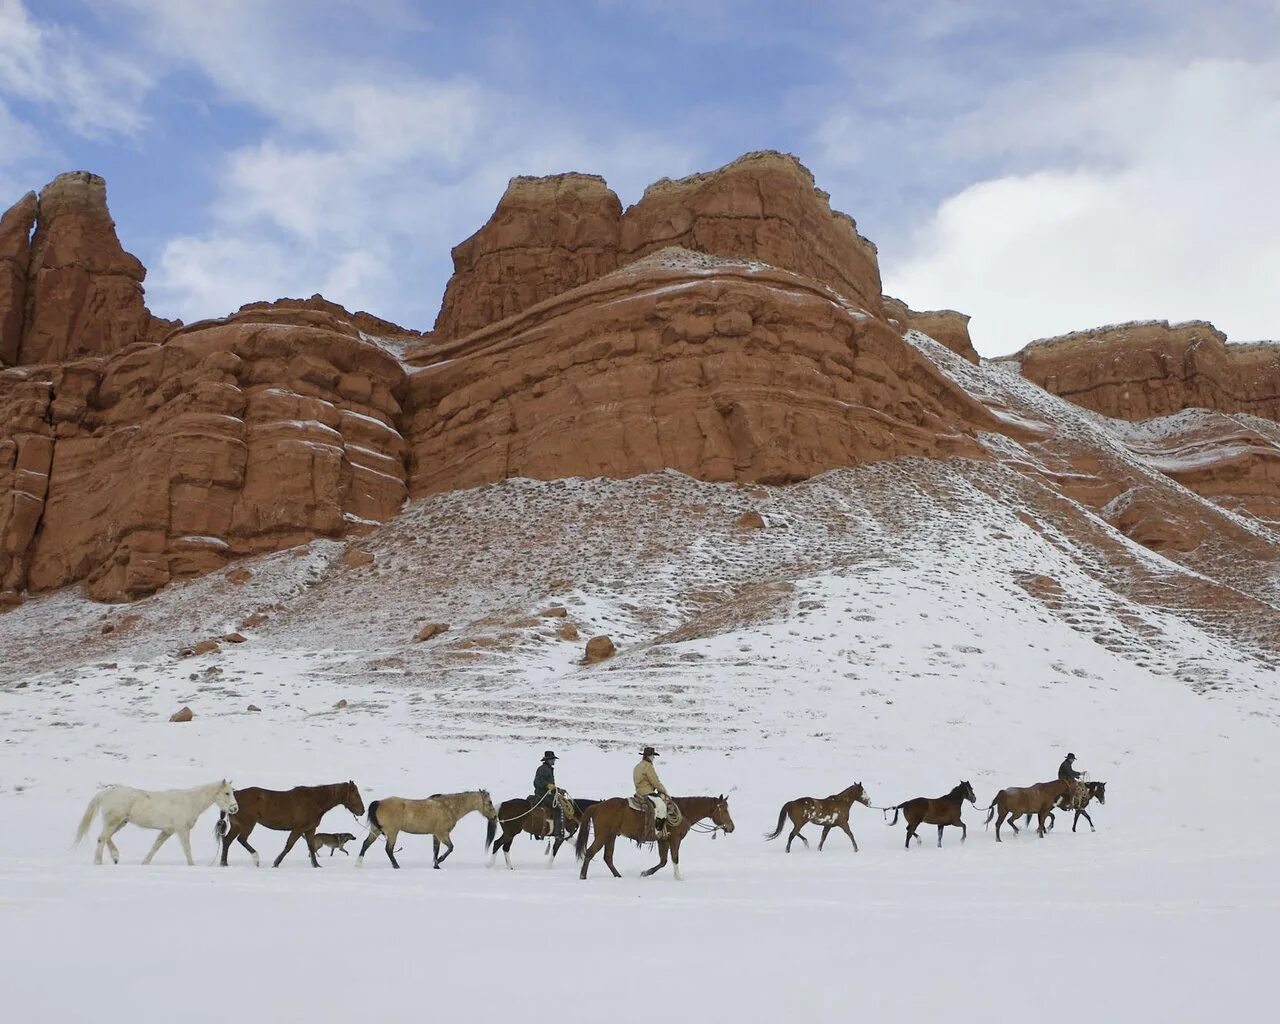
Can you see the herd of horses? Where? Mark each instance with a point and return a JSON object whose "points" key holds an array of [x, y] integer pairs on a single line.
{"points": [[593, 825]]}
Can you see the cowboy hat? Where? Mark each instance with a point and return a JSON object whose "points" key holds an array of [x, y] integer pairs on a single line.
{"points": [[549, 755], [648, 752]]}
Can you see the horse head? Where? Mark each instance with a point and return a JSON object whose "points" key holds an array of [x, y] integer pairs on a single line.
{"points": [[225, 798], [966, 793], [1099, 791], [720, 814], [351, 798], [486, 805], [862, 797]]}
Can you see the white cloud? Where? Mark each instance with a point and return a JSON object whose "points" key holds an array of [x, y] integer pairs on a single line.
{"points": [[365, 175], [97, 93], [1155, 198]]}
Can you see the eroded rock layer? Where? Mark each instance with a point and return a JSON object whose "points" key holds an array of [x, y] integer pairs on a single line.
{"points": [[79, 292], [234, 437], [549, 235], [1140, 370], [723, 370]]}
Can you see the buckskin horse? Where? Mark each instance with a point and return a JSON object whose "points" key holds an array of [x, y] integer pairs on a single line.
{"points": [[941, 811], [1016, 801], [435, 816], [170, 811], [829, 812], [297, 811], [521, 814], [616, 817]]}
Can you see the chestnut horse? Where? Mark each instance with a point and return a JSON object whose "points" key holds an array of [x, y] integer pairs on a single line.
{"points": [[693, 809], [522, 815], [1016, 801], [1066, 802], [297, 811], [616, 817], [942, 811], [829, 812]]}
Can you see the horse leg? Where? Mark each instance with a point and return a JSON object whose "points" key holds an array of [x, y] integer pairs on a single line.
{"points": [[940, 828], [164, 834], [675, 857], [911, 830], [391, 837], [184, 837], [608, 856], [109, 828], [795, 834], [551, 860], [1013, 823], [964, 831], [310, 837], [1040, 824], [506, 851], [826, 829], [662, 860], [592, 850], [1000, 821], [368, 842], [844, 825], [243, 840], [294, 836], [447, 842]]}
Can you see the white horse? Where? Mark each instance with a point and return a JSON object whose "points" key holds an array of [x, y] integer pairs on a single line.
{"points": [[169, 810]]}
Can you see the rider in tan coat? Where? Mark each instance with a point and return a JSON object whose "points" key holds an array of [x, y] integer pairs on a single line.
{"points": [[645, 776]]}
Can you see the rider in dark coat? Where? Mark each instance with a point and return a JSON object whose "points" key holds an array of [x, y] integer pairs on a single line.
{"points": [[544, 791], [1066, 772]]}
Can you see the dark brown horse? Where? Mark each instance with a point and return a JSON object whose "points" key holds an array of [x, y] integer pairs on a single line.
{"points": [[942, 811], [616, 817], [1016, 801], [522, 815], [297, 811], [829, 812]]}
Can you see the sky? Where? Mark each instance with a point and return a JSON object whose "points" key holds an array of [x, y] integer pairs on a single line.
{"points": [[1041, 166]]}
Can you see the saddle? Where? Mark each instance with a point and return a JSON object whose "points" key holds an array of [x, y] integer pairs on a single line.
{"points": [[659, 814]]}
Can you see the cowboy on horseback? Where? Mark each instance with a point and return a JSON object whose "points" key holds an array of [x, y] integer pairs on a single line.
{"points": [[1078, 794], [650, 792], [545, 792]]}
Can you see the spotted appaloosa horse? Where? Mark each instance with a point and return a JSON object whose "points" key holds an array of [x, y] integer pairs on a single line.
{"points": [[829, 812], [941, 811]]}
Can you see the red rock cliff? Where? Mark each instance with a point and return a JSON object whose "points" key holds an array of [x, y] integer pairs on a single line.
{"points": [[1139, 370]]}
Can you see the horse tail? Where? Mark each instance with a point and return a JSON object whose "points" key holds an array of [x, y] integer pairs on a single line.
{"points": [[782, 816], [373, 816], [491, 832], [584, 832], [991, 812], [89, 812], [895, 813]]}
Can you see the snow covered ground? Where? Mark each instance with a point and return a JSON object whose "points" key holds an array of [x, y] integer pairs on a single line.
{"points": [[841, 654]]}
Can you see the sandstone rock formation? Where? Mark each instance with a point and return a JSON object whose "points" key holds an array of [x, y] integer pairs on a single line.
{"points": [[15, 260], [73, 291], [944, 325], [720, 369], [729, 325], [546, 236], [234, 437], [549, 235], [1138, 370]]}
